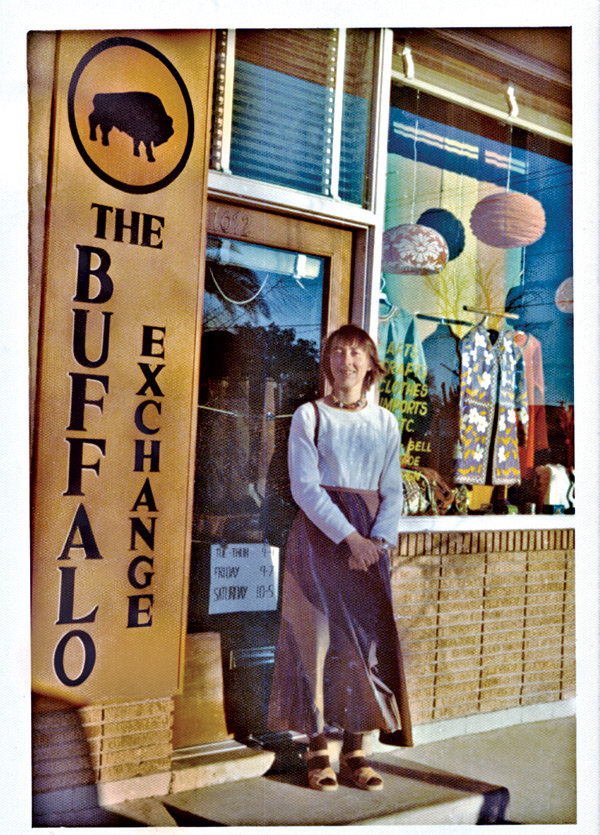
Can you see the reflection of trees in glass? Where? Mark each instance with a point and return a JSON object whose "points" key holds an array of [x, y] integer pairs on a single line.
{"points": [[236, 366], [255, 353], [534, 302], [275, 353], [252, 378]]}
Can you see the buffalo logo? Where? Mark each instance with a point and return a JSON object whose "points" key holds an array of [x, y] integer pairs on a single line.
{"points": [[163, 117], [141, 116]]}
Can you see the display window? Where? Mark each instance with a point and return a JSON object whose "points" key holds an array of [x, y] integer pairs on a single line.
{"points": [[476, 310]]}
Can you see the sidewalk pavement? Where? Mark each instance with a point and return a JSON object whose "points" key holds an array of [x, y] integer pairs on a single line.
{"points": [[536, 762], [521, 774]]}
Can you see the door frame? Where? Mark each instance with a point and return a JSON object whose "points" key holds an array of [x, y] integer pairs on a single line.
{"points": [[259, 226], [284, 231]]}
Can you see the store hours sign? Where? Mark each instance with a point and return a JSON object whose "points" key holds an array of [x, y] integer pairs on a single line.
{"points": [[243, 578], [118, 364]]}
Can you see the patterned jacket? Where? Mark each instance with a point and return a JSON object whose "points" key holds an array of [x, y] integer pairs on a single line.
{"points": [[491, 375]]}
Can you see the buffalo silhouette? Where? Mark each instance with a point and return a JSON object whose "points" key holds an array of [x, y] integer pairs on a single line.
{"points": [[140, 115]]}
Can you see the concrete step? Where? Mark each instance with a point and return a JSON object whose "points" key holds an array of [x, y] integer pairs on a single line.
{"points": [[222, 762], [413, 794]]}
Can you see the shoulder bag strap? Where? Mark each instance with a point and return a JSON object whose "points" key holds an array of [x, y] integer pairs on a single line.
{"points": [[317, 418]]}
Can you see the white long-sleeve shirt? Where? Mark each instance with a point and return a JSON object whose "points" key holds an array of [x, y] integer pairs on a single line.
{"points": [[356, 449]]}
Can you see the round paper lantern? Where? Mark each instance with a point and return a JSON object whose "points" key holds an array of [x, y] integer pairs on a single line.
{"points": [[413, 249], [449, 227], [563, 298], [508, 219]]}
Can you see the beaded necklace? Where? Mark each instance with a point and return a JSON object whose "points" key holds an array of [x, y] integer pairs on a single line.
{"points": [[358, 404]]}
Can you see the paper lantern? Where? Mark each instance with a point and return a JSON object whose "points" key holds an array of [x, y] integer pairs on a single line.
{"points": [[563, 298], [508, 219], [413, 249], [449, 227]]}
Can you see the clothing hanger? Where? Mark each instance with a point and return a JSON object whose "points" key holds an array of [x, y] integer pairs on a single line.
{"points": [[500, 314], [503, 314], [443, 319], [393, 311], [383, 299]]}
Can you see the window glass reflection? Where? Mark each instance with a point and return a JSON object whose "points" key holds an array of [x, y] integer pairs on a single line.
{"points": [[259, 361]]}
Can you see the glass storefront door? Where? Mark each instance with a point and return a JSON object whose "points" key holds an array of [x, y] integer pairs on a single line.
{"points": [[273, 287]]}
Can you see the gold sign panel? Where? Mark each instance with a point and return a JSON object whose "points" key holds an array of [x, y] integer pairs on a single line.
{"points": [[118, 368]]}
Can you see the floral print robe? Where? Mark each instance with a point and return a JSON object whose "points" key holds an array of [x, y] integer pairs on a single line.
{"points": [[491, 375]]}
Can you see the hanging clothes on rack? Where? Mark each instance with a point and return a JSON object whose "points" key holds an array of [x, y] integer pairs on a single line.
{"points": [[537, 434], [443, 374], [403, 390], [493, 401], [443, 360]]}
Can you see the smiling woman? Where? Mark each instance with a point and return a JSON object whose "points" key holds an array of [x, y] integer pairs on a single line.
{"points": [[351, 365], [338, 662]]}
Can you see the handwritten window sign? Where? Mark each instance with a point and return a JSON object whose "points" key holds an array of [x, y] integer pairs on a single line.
{"points": [[243, 578]]}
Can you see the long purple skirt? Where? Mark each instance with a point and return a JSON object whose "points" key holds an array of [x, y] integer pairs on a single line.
{"points": [[338, 661]]}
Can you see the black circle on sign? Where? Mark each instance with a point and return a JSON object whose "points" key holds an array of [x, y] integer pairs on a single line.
{"points": [[89, 56]]}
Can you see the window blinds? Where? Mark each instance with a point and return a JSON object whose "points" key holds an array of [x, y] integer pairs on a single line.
{"points": [[283, 109], [282, 91]]}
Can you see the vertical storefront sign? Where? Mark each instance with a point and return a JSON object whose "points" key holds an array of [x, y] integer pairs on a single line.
{"points": [[118, 364]]}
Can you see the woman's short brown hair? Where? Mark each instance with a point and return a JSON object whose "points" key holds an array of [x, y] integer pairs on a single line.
{"points": [[353, 335]]}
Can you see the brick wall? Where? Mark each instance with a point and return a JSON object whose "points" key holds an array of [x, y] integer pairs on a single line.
{"points": [[487, 620], [129, 740], [76, 749]]}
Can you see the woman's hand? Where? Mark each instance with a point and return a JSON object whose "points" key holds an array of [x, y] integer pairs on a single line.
{"points": [[363, 552]]}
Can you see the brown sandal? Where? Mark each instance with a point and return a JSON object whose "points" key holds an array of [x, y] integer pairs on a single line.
{"points": [[361, 774], [321, 779]]}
